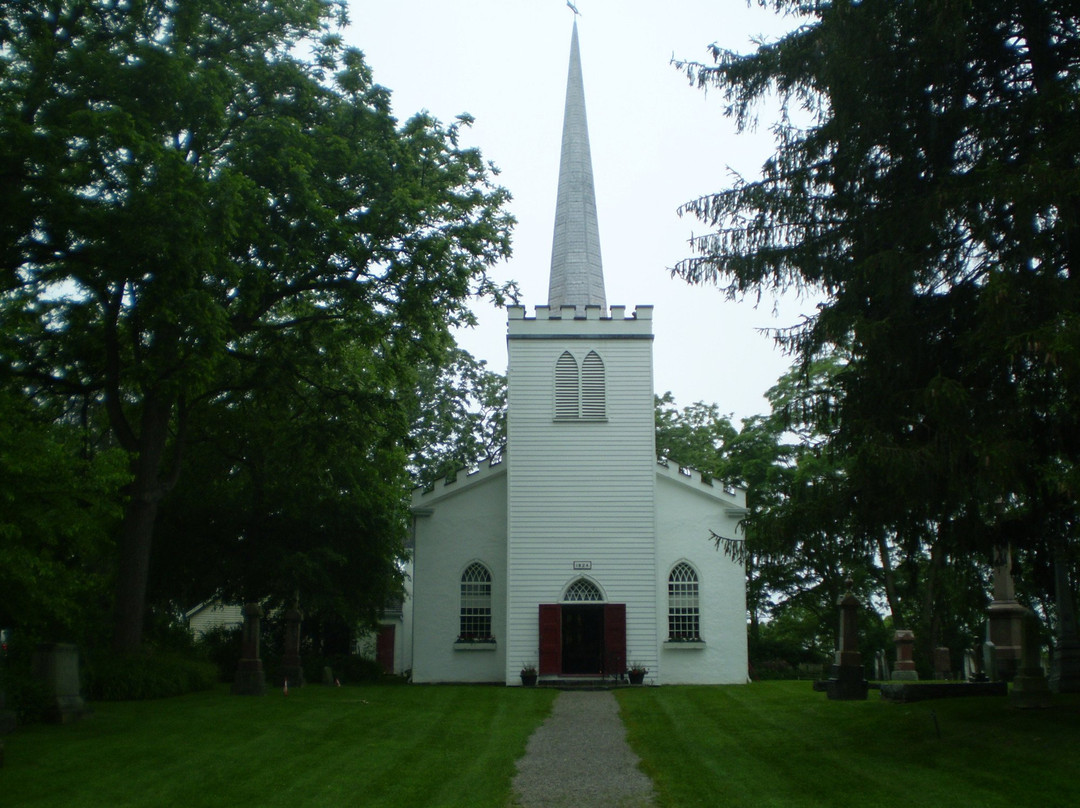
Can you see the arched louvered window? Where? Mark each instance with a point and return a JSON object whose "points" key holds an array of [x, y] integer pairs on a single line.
{"points": [[475, 624], [580, 393], [684, 617], [592, 387], [583, 590], [566, 386]]}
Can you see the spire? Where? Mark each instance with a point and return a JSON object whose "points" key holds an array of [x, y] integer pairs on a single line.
{"points": [[577, 273]]}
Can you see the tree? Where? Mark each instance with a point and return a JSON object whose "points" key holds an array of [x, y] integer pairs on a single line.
{"points": [[186, 192], [461, 420], [295, 487], [56, 523], [799, 541], [753, 457], [932, 198]]}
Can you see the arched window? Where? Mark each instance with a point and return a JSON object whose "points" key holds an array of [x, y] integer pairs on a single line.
{"points": [[684, 617], [566, 387], [583, 590], [580, 393], [593, 403], [475, 604]]}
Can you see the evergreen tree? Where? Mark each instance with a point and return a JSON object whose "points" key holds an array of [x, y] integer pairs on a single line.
{"points": [[926, 183]]}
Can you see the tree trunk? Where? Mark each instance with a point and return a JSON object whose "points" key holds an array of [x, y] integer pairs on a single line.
{"points": [[1067, 630], [930, 624], [137, 533], [890, 582]]}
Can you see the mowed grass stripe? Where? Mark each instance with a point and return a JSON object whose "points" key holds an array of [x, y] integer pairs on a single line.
{"points": [[378, 746], [781, 744]]}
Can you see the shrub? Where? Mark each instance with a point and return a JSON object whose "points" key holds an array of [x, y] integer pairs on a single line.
{"points": [[29, 697], [131, 677], [348, 668], [221, 645], [24, 693]]}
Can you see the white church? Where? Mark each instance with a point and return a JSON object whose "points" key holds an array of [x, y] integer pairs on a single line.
{"points": [[578, 554]]}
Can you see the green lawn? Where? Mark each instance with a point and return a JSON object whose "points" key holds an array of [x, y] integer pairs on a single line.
{"points": [[351, 746], [781, 744], [769, 744]]}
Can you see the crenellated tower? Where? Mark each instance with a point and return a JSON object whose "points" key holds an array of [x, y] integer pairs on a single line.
{"points": [[581, 476]]}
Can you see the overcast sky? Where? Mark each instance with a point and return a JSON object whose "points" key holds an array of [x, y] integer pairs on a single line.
{"points": [[656, 143]]}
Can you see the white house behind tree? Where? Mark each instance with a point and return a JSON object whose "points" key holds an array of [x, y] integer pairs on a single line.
{"points": [[579, 553]]}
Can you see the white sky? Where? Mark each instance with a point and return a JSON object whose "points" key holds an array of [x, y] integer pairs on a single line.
{"points": [[656, 143]]}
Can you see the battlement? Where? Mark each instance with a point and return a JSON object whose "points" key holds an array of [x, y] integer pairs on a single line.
{"points": [[452, 483], [732, 494], [581, 313], [579, 322]]}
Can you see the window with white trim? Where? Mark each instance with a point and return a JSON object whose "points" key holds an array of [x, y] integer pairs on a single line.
{"points": [[583, 590], [684, 617], [580, 392], [475, 623]]}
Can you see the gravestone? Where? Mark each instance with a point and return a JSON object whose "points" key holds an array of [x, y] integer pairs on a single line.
{"points": [[250, 679], [1030, 688], [973, 671], [1005, 616], [990, 660], [904, 669], [291, 669], [942, 663], [57, 665], [848, 681], [881, 665], [1065, 672]]}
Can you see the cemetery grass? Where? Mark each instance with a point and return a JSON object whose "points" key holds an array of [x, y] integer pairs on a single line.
{"points": [[781, 744], [319, 746]]}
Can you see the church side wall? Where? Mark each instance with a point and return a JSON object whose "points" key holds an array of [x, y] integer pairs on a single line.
{"points": [[465, 527], [684, 520]]}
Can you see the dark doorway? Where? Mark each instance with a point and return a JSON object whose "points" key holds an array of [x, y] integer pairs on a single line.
{"points": [[384, 648], [583, 638]]}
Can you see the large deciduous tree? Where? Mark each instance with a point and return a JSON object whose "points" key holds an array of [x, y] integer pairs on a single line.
{"points": [[57, 517], [196, 188], [926, 182]]}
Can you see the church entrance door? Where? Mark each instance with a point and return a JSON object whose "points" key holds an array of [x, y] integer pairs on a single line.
{"points": [[583, 638]]}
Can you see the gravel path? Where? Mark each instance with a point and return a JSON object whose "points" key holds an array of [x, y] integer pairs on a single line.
{"points": [[579, 758]]}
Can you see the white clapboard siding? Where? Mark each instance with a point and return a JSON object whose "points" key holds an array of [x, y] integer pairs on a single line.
{"points": [[581, 488], [457, 525], [214, 614]]}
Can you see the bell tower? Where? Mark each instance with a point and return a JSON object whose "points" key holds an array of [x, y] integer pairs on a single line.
{"points": [[581, 459]]}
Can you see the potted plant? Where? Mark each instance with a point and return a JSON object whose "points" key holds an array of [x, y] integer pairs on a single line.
{"points": [[528, 674], [636, 673]]}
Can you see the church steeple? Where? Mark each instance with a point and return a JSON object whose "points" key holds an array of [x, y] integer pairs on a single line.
{"points": [[577, 273]]}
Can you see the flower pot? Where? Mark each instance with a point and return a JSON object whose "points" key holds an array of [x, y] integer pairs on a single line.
{"points": [[528, 679], [636, 677]]}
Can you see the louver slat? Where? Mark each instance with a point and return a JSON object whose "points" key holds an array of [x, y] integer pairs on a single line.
{"points": [[593, 404], [566, 387]]}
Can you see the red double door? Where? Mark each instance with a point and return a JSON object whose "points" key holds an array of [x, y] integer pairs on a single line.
{"points": [[582, 638]]}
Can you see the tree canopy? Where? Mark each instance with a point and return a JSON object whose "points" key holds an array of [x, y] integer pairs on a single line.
{"points": [[926, 183], [198, 193]]}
